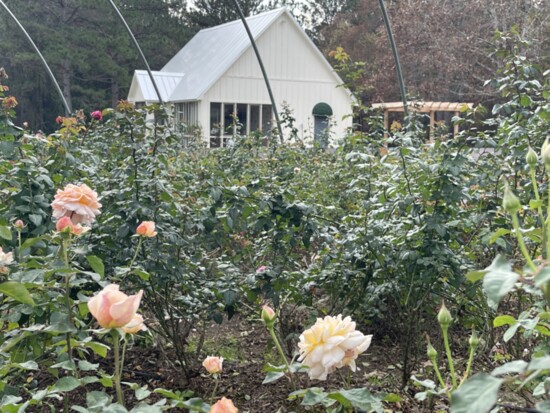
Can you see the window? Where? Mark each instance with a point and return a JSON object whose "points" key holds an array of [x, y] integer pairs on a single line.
{"points": [[237, 118], [187, 113]]}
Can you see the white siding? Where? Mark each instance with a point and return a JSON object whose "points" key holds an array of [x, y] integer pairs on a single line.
{"points": [[297, 74]]}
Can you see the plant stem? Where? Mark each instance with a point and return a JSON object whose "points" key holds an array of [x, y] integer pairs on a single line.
{"points": [[118, 367], [449, 356], [136, 253], [521, 243], [19, 242], [469, 365], [537, 196], [282, 353], [65, 248], [212, 397], [439, 378]]}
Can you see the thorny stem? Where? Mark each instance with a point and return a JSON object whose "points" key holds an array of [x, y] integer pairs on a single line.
{"points": [[19, 243], [282, 353], [449, 356], [521, 243]]}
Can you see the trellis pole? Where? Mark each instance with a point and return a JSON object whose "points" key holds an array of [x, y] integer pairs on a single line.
{"points": [[136, 44], [264, 73], [42, 59]]}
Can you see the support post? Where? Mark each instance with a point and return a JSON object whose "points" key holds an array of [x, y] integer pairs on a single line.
{"points": [[455, 126], [42, 59]]}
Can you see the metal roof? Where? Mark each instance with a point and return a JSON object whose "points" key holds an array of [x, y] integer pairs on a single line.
{"points": [[211, 52], [166, 83]]}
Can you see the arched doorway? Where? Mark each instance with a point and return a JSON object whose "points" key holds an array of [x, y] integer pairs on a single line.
{"points": [[321, 114]]}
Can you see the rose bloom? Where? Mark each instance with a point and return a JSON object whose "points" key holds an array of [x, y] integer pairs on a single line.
{"points": [[330, 344], [78, 202], [59, 120], [261, 269], [112, 308], [9, 102], [6, 258], [97, 115], [213, 365], [224, 406], [19, 225], [135, 326], [146, 229], [268, 315]]}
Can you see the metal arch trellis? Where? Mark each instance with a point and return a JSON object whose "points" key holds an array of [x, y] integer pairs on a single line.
{"points": [[243, 19], [264, 73], [136, 44], [42, 59], [396, 59]]}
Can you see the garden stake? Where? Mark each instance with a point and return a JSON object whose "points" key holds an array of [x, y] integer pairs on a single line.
{"points": [[42, 59]]}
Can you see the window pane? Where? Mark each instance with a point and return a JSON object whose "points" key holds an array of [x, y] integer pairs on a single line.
{"points": [[243, 118], [266, 119], [215, 127], [228, 111], [254, 118]]}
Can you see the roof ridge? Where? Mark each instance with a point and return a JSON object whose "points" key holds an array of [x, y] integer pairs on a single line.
{"points": [[274, 11]]}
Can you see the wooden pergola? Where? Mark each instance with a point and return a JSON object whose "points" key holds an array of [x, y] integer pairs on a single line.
{"points": [[423, 107]]}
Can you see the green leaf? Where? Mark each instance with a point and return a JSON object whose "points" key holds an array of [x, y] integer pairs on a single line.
{"points": [[98, 348], [145, 408], [543, 277], [5, 232], [477, 395], [96, 264], [540, 363], [393, 398], [35, 219], [497, 234], [87, 366], [503, 320], [515, 367], [196, 405], [543, 407], [67, 384], [499, 280], [273, 376], [142, 393], [30, 242], [360, 398], [313, 397], [534, 204], [17, 291]]}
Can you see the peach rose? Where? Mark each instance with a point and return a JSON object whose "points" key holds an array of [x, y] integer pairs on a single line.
{"points": [[135, 326], [224, 406], [78, 202], [65, 225], [213, 365], [146, 229], [112, 308]]}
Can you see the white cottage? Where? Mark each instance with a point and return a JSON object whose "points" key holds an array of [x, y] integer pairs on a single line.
{"points": [[217, 75]]}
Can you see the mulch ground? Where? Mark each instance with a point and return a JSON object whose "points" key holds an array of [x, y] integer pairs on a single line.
{"points": [[246, 347]]}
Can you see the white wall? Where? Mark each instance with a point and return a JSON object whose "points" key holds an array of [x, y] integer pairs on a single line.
{"points": [[296, 73]]}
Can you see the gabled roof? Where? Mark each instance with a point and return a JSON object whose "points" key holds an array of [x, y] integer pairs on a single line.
{"points": [[207, 56], [211, 52], [166, 83]]}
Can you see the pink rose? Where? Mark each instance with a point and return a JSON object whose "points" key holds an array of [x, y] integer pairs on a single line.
{"points": [[112, 308], [146, 229], [19, 225], [213, 365], [224, 406], [59, 120], [78, 202], [268, 315], [97, 115], [261, 269]]}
